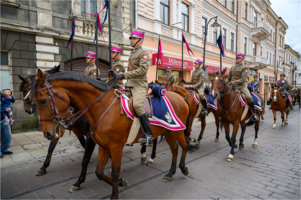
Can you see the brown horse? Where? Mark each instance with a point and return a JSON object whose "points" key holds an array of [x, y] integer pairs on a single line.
{"points": [[278, 103], [232, 112], [187, 95], [80, 128], [110, 128]]}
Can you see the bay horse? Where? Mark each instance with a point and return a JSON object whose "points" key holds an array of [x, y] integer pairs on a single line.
{"points": [[80, 128], [232, 112], [188, 96], [278, 103], [110, 129]]}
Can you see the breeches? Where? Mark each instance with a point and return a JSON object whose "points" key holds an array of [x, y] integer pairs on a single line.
{"points": [[139, 95], [246, 93], [201, 93]]}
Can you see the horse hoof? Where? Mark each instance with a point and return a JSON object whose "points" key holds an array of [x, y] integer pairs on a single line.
{"points": [[241, 147], [150, 162], [41, 172], [187, 172], [197, 142], [274, 126], [193, 140], [167, 179], [230, 158], [74, 189], [216, 139], [90, 162], [282, 125], [163, 140], [143, 158], [123, 182], [254, 145], [235, 146]]}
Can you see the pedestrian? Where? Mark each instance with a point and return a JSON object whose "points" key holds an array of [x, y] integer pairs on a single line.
{"points": [[7, 101], [5, 132]]}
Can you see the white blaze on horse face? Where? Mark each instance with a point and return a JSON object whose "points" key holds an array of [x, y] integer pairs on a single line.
{"points": [[216, 78], [213, 92], [27, 95]]}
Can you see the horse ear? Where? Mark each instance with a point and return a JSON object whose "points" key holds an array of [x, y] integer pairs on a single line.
{"points": [[41, 77], [172, 82], [22, 79], [224, 71]]}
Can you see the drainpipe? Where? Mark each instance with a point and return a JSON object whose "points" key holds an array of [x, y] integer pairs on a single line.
{"points": [[276, 49], [136, 14], [236, 28]]}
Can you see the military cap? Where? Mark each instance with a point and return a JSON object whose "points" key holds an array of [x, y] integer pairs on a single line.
{"points": [[91, 54], [137, 34]]}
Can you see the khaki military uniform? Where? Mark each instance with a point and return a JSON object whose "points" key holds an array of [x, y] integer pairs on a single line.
{"points": [[282, 84], [91, 71], [137, 79], [197, 80], [117, 66], [256, 87], [241, 71], [169, 77]]}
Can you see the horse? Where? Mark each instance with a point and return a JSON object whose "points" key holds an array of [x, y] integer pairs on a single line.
{"points": [[278, 103], [80, 128], [109, 128], [232, 112], [188, 96]]}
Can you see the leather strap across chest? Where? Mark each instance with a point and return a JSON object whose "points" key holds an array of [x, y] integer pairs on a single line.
{"points": [[234, 73], [194, 80]]}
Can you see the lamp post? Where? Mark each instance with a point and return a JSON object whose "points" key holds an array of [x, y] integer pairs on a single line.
{"points": [[215, 24], [182, 46]]}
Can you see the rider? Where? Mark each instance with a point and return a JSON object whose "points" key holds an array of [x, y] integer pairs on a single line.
{"points": [[117, 64], [197, 80], [283, 84], [255, 84], [169, 76], [91, 67], [237, 78], [136, 79]]}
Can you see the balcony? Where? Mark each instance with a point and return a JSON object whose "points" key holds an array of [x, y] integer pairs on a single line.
{"points": [[258, 62], [281, 49], [260, 30]]}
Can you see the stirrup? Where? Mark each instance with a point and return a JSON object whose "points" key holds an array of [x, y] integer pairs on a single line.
{"points": [[255, 118], [204, 112], [146, 141]]}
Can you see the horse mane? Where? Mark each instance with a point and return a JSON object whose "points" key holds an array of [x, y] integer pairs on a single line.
{"points": [[75, 76], [32, 77]]}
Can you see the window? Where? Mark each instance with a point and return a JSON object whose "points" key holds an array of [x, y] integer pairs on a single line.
{"points": [[225, 38], [215, 36], [4, 58], [245, 46], [261, 51], [204, 22], [274, 37], [267, 55], [93, 5], [255, 16], [246, 11], [225, 3], [185, 17], [232, 41], [83, 6], [232, 6], [273, 60], [270, 58], [164, 8], [4, 71], [254, 49], [271, 36]]}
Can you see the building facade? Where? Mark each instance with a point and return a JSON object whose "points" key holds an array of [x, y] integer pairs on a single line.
{"points": [[298, 72], [290, 64], [34, 34]]}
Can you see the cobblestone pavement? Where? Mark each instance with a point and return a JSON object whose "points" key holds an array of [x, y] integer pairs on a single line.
{"points": [[271, 171]]}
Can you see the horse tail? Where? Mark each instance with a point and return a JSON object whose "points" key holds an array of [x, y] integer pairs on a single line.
{"points": [[186, 132], [221, 123]]}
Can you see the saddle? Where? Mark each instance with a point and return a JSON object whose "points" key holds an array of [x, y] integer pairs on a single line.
{"points": [[147, 105], [240, 93]]}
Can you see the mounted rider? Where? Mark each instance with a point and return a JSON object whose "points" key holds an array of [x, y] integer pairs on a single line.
{"points": [[117, 64], [282, 84], [197, 80], [255, 84], [169, 76], [137, 80], [237, 78], [91, 69]]}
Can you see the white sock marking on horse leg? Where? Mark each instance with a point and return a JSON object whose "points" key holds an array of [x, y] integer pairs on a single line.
{"points": [[255, 140], [143, 155]]}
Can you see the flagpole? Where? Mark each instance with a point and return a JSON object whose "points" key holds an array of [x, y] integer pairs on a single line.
{"points": [[158, 58], [110, 47], [220, 33], [96, 29], [182, 53], [72, 42]]}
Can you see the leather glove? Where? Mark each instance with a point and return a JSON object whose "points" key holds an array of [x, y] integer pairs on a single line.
{"points": [[183, 81], [189, 88], [110, 72], [99, 79], [156, 81], [229, 84], [119, 75]]}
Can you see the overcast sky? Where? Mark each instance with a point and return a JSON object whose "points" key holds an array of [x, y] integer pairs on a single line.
{"points": [[290, 12]]}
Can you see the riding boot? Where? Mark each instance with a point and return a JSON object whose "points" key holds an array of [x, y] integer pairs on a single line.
{"points": [[145, 125], [204, 111], [254, 117], [288, 105]]}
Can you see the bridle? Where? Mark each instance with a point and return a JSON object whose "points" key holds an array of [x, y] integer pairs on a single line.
{"points": [[221, 88]]}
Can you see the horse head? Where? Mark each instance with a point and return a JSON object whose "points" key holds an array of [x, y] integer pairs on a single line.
{"points": [[275, 93], [218, 83], [51, 107], [170, 86]]}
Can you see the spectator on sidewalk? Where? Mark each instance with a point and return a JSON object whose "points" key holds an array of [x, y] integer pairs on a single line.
{"points": [[5, 133], [7, 101]]}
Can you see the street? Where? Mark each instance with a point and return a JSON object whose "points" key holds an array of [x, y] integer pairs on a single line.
{"points": [[271, 171]]}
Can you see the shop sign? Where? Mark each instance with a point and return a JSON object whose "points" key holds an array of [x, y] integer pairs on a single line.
{"points": [[272, 78], [266, 78], [176, 63], [211, 68]]}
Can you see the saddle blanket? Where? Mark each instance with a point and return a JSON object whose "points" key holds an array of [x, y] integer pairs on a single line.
{"points": [[256, 100], [211, 103], [163, 113]]}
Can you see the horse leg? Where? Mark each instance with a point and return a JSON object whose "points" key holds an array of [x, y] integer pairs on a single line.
{"points": [[90, 145], [286, 120], [275, 118], [233, 141], [241, 139], [151, 161], [216, 116], [203, 126], [255, 145], [174, 150], [143, 156], [181, 140], [227, 132], [46, 164], [116, 157], [282, 117]]}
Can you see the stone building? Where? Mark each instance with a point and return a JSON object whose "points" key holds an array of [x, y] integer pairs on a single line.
{"points": [[34, 34], [290, 64]]}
